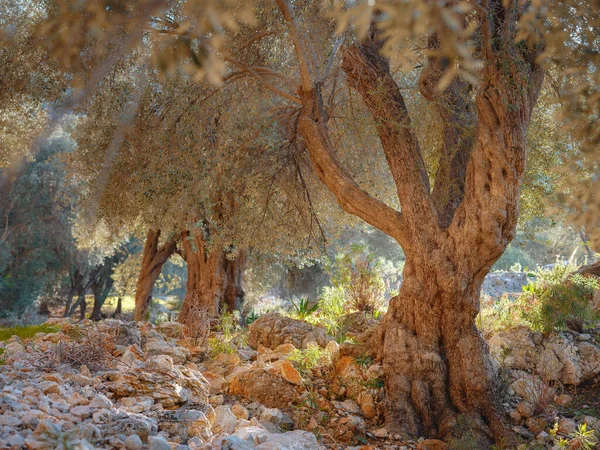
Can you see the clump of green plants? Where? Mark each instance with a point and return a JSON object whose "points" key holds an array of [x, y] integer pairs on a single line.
{"points": [[229, 335], [332, 310], [360, 277], [310, 357], [559, 300], [251, 317], [581, 438], [219, 344], [465, 436], [303, 309], [26, 332]]}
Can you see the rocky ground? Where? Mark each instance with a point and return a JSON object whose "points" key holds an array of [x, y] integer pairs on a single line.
{"points": [[119, 385]]}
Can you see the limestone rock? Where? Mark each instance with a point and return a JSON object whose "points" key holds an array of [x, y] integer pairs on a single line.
{"points": [[158, 347], [160, 363], [225, 420], [273, 329], [288, 372], [240, 412], [158, 443], [133, 442], [263, 386], [367, 405], [293, 440], [186, 423]]}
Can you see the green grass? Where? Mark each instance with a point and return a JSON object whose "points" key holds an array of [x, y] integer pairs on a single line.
{"points": [[26, 332], [128, 303]]}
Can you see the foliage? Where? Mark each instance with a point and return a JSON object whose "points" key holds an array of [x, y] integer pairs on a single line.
{"points": [[332, 309], [583, 438], [26, 332], [251, 317], [559, 300], [303, 309], [359, 276], [556, 300], [310, 357], [220, 344], [229, 335], [35, 233]]}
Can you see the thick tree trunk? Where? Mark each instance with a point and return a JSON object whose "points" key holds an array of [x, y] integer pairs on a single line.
{"points": [[436, 363], [214, 280], [153, 259]]}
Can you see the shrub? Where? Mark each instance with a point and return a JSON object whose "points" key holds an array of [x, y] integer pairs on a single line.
{"points": [[229, 335], [197, 328], [559, 300], [556, 300], [310, 357], [360, 276], [303, 309], [332, 309], [220, 344]]}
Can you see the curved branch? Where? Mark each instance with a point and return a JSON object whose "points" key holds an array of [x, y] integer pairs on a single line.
{"points": [[299, 44], [352, 199], [368, 73]]}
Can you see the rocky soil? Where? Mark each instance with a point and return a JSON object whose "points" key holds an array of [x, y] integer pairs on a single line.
{"points": [[118, 385]]}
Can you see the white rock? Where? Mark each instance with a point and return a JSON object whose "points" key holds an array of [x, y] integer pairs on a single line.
{"points": [[293, 440], [225, 420], [380, 433], [271, 415], [160, 363], [81, 411], [101, 401], [133, 442], [158, 443]]}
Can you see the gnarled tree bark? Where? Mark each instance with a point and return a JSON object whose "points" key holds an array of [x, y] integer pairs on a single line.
{"points": [[153, 259], [214, 278]]}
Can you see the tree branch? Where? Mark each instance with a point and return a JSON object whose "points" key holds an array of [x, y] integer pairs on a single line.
{"points": [[458, 117], [369, 74], [304, 65], [352, 199]]}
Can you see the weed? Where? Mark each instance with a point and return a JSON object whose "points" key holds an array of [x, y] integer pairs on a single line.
{"points": [[583, 438], [310, 357], [251, 317], [374, 383], [303, 308], [219, 344], [363, 361]]}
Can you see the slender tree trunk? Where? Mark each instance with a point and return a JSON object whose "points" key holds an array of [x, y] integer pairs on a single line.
{"points": [[153, 259], [82, 307], [98, 302], [234, 293], [119, 307], [214, 281], [76, 280]]}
